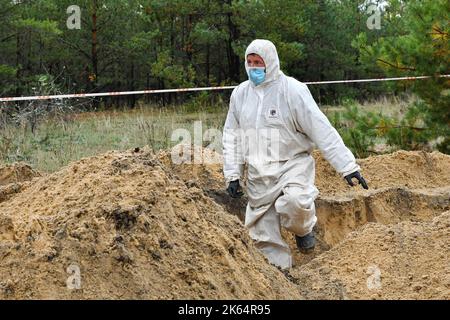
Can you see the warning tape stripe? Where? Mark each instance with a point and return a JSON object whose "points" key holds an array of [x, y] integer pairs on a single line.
{"points": [[378, 79], [125, 93]]}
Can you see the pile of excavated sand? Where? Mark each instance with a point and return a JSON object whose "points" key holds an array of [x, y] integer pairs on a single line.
{"points": [[407, 169], [130, 229], [403, 186], [383, 229], [139, 226], [13, 177], [204, 170], [16, 173], [409, 260]]}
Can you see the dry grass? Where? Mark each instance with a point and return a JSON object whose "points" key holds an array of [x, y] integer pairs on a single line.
{"points": [[56, 143], [388, 106]]}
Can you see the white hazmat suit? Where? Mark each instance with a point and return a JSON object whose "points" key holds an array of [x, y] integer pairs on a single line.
{"points": [[273, 128]]}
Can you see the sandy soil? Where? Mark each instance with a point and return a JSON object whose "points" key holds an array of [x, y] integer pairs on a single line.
{"points": [[18, 172], [135, 225]]}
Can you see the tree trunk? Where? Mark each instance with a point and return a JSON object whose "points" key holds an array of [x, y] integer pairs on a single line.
{"points": [[132, 98], [19, 68], [233, 59], [94, 57], [147, 87], [207, 64]]}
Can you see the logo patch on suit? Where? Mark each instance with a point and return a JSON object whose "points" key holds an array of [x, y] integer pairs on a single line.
{"points": [[273, 113]]}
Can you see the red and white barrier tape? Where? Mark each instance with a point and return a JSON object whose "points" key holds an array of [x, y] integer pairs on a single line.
{"points": [[378, 79], [125, 93]]}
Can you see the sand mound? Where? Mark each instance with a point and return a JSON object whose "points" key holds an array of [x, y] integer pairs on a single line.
{"points": [[203, 168], [408, 260], [134, 230], [407, 169], [136, 225], [405, 188], [14, 177], [206, 175], [17, 172]]}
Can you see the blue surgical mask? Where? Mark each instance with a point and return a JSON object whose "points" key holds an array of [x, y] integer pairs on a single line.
{"points": [[257, 74]]}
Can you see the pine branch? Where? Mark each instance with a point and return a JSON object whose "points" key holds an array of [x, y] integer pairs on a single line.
{"points": [[396, 66], [7, 38]]}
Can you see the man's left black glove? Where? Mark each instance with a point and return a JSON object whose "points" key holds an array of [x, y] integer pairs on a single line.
{"points": [[233, 189], [358, 176]]}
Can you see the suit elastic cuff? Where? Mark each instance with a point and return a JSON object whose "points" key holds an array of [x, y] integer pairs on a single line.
{"points": [[350, 171], [231, 178]]}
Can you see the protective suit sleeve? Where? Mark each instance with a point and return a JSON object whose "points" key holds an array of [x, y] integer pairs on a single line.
{"points": [[313, 123], [233, 162]]}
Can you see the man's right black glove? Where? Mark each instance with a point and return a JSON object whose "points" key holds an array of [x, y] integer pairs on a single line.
{"points": [[234, 189]]}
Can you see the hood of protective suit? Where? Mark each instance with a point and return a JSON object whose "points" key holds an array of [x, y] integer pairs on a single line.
{"points": [[267, 50]]}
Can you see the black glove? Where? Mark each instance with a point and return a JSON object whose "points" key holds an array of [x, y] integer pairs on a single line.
{"points": [[358, 176], [234, 189]]}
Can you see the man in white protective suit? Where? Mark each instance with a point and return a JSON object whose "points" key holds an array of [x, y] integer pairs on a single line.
{"points": [[272, 126]]}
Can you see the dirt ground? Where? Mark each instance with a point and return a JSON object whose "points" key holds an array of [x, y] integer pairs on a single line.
{"points": [[135, 225], [18, 172]]}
